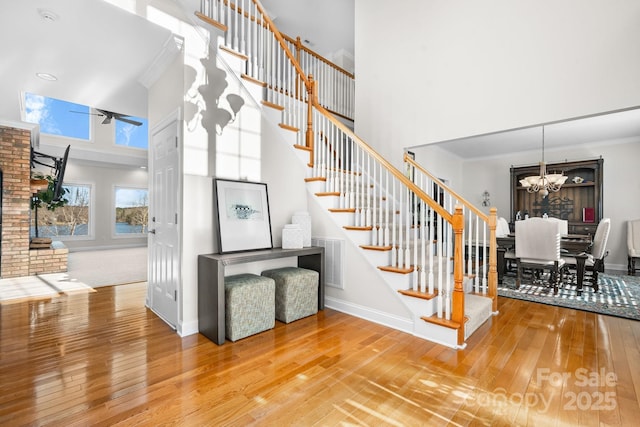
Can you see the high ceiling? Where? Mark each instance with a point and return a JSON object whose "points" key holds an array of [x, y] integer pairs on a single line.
{"points": [[97, 51], [327, 25]]}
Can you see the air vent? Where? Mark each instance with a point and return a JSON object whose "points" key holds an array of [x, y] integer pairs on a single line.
{"points": [[333, 260]]}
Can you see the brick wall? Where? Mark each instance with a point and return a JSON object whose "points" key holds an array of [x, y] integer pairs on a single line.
{"points": [[52, 260], [17, 259], [15, 155]]}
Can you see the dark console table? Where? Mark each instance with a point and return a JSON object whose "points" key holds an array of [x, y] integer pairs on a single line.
{"points": [[211, 272]]}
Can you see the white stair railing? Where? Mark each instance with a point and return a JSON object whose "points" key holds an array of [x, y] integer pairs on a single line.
{"points": [[419, 235], [478, 234], [249, 34]]}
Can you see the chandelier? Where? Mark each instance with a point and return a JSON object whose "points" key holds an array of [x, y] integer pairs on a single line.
{"points": [[544, 182]]}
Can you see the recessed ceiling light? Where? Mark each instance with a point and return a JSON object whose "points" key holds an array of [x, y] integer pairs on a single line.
{"points": [[48, 15], [47, 77]]}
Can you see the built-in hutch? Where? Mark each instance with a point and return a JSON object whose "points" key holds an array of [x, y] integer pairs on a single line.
{"points": [[579, 200]]}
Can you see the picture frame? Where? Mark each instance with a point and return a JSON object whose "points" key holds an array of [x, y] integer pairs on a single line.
{"points": [[244, 222]]}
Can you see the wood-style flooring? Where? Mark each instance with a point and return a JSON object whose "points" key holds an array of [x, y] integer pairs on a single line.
{"points": [[103, 359]]}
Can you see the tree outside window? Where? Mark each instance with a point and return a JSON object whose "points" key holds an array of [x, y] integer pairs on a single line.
{"points": [[71, 219], [132, 210]]}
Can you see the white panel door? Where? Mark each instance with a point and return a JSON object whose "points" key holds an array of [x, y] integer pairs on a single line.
{"points": [[164, 237]]}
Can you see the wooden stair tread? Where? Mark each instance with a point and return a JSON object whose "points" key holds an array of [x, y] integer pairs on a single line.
{"points": [[358, 228], [441, 321], [252, 80], [210, 21], [327, 193], [272, 105], [342, 210], [287, 127], [392, 269], [376, 248], [234, 53], [302, 147], [418, 294], [315, 178]]}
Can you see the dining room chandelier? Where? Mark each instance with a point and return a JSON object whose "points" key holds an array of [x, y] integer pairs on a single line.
{"points": [[544, 182]]}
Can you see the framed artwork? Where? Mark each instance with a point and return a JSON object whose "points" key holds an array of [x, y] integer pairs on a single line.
{"points": [[243, 216]]}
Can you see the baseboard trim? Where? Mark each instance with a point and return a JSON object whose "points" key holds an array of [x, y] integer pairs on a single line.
{"points": [[366, 313], [187, 328]]}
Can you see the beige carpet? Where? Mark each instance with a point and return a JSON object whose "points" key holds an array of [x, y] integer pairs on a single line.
{"points": [[86, 270], [108, 267]]}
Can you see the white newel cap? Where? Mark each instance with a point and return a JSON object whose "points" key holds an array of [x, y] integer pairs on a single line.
{"points": [[304, 220]]}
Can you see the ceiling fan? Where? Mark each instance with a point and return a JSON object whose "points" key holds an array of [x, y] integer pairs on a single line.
{"points": [[108, 115]]}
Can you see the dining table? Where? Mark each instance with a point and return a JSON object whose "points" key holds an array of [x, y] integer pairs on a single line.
{"points": [[573, 245]]}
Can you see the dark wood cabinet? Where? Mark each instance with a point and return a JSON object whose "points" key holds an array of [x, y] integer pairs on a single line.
{"points": [[572, 202]]}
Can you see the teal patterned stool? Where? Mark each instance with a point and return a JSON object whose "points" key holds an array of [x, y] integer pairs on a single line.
{"points": [[249, 302], [296, 292]]}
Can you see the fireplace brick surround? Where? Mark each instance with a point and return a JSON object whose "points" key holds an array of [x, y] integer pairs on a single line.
{"points": [[16, 258]]}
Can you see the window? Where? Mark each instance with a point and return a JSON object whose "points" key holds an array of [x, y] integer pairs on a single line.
{"points": [[132, 210], [130, 135], [65, 221], [57, 117]]}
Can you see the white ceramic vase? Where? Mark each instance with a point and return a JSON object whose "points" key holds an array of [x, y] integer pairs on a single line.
{"points": [[304, 220]]}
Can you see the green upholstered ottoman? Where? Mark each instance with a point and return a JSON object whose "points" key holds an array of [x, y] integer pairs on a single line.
{"points": [[249, 302], [296, 292]]}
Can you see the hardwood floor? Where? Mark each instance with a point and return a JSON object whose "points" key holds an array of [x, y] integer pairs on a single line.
{"points": [[101, 358]]}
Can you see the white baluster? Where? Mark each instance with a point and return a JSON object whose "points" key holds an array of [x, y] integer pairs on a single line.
{"points": [[241, 10], [400, 229], [394, 250], [423, 248], [407, 250], [386, 209], [477, 255]]}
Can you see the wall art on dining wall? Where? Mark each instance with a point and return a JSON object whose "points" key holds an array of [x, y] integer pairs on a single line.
{"points": [[243, 216]]}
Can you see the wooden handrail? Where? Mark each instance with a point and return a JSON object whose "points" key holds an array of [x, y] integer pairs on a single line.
{"points": [[399, 175], [461, 199], [456, 219], [262, 22], [283, 45], [320, 57]]}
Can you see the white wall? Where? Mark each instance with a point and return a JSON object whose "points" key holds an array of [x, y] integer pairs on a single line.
{"points": [[446, 70], [619, 188], [95, 162], [103, 181]]}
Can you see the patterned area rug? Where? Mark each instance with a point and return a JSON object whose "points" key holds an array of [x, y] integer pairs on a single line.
{"points": [[616, 296]]}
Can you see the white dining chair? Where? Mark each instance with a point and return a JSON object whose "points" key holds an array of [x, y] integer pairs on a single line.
{"points": [[633, 245], [538, 249], [595, 255]]}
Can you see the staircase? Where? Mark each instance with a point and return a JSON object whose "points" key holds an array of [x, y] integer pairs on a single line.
{"points": [[437, 251]]}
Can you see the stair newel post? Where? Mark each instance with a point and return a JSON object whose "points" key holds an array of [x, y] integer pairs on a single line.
{"points": [[493, 258], [311, 94], [458, 292]]}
